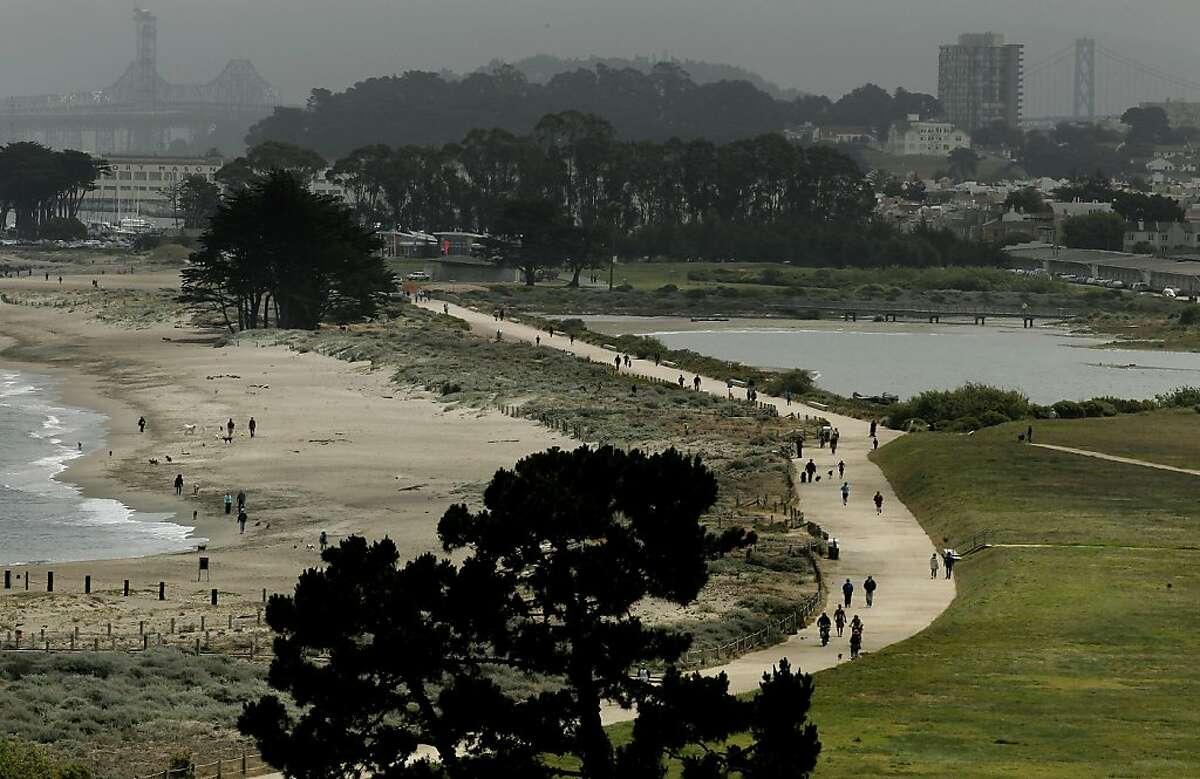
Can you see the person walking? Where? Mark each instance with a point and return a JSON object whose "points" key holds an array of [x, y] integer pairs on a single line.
{"points": [[845, 493], [228, 503], [681, 382], [855, 645], [229, 426], [873, 428], [841, 469], [252, 426], [241, 500], [617, 363], [537, 340], [1029, 434], [869, 588], [141, 424], [834, 437], [242, 522], [874, 444], [324, 540], [179, 484], [823, 623], [848, 592], [696, 383], [933, 565], [811, 469], [878, 502], [839, 619], [949, 562]]}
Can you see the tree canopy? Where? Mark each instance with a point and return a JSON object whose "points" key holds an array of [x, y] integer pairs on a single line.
{"points": [[1095, 231], [275, 251], [40, 184], [565, 545]]}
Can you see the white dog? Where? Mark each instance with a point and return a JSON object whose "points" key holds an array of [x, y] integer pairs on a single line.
{"points": [[189, 429]]}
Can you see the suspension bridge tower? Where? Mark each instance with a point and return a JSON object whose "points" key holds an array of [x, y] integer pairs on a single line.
{"points": [[1085, 78]]}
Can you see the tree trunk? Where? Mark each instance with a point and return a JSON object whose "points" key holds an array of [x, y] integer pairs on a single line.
{"points": [[575, 276], [530, 275]]}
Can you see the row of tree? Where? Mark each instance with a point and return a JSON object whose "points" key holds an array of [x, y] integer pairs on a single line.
{"points": [[609, 188], [428, 109], [43, 187]]}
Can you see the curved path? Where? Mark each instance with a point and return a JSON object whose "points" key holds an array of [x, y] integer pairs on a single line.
{"points": [[892, 547], [1117, 459]]}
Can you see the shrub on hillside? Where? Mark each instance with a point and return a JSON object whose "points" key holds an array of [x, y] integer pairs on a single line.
{"points": [[63, 229], [642, 347], [991, 418], [1069, 409], [796, 382], [1179, 397], [1189, 316], [1126, 405], [1099, 408], [939, 407]]}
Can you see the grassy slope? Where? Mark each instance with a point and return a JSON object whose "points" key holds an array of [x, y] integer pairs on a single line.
{"points": [[1168, 437], [1062, 661]]}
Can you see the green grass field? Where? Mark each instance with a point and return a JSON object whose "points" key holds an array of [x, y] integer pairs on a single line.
{"points": [[1167, 437], [1068, 660]]}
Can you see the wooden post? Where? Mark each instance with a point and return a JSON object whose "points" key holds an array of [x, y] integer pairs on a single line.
{"points": [[126, 592], [87, 585], [8, 580], [231, 622], [197, 655], [145, 642], [141, 627], [264, 598], [49, 581], [110, 628], [162, 590], [172, 625], [202, 618], [95, 645], [258, 618], [213, 596]]}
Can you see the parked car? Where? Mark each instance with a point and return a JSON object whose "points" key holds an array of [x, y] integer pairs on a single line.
{"points": [[1168, 293], [419, 275]]}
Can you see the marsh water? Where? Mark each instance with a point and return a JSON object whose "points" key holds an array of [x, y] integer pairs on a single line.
{"points": [[1047, 363]]}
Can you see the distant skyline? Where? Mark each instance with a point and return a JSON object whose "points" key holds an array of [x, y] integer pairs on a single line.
{"points": [[825, 48]]}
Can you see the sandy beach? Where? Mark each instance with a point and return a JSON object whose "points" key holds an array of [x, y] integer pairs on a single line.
{"points": [[339, 448]]}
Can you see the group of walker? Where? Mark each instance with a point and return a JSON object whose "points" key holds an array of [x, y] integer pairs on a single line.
{"points": [[839, 617]]}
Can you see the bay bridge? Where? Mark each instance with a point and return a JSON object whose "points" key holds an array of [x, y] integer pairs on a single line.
{"points": [[142, 113], [1088, 80]]}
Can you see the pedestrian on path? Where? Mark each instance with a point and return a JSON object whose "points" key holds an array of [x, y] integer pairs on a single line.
{"points": [[878, 502], [839, 619], [949, 561], [681, 381], [833, 440], [617, 363], [933, 565], [628, 362], [253, 427], [855, 645], [323, 540], [841, 469], [241, 499], [869, 588], [811, 469], [845, 493], [242, 522], [141, 424], [229, 426], [873, 428], [874, 444], [848, 592], [696, 383], [179, 484], [537, 340], [1029, 434], [228, 503]]}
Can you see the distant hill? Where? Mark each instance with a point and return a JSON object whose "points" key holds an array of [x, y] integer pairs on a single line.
{"points": [[540, 68]]}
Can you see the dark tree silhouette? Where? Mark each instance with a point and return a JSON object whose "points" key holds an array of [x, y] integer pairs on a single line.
{"points": [[566, 544], [275, 251]]}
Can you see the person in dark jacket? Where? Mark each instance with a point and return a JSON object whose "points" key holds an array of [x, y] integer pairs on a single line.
{"points": [[848, 592], [869, 588]]}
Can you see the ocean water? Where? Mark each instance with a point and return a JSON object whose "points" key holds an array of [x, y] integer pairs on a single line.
{"points": [[46, 520]]}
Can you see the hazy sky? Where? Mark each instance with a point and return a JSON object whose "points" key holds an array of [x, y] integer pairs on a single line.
{"points": [[825, 46]]}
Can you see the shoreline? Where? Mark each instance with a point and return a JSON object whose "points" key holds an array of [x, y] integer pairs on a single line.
{"points": [[341, 448]]}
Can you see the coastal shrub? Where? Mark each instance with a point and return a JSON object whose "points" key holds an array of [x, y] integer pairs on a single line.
{"points": [[1127, 405], [797, 382], [917, 425], [964, 425], [449, 388], [63, 229], [696, 293], [22, 760], [939, 407], [1099, 408], [666, 290], [1069, 409], [1180, 397], [641, 346], [1190, 316], [992, 418]]}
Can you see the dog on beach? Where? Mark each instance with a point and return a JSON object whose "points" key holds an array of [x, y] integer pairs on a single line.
{"points": [[189, 429], [195, 489], [153, 461]]}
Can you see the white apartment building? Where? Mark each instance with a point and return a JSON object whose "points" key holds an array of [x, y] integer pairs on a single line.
{"points": [[139, 186], [913, 136]]}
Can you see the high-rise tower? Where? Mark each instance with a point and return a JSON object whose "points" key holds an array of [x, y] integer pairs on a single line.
{"points": [[980, 81]]}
